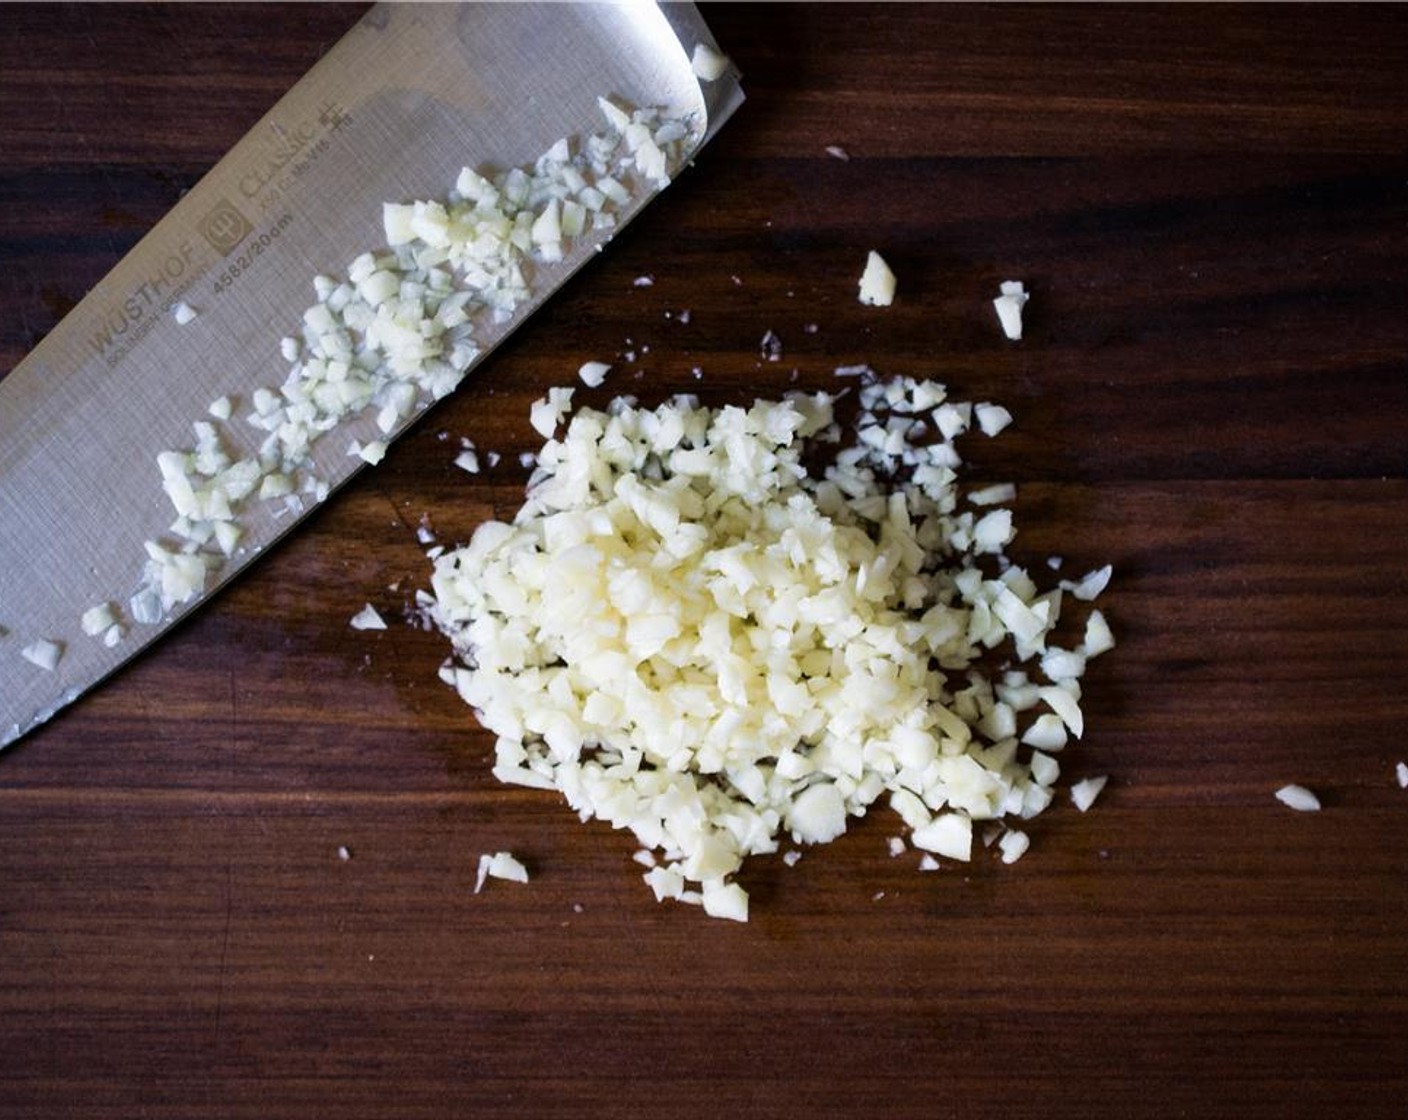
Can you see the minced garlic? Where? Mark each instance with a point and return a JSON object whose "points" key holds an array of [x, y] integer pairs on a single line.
{"points": [[399, 331], [689, 635]]}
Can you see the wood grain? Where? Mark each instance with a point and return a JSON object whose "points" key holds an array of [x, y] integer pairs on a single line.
{"points": [[1209, 203]]}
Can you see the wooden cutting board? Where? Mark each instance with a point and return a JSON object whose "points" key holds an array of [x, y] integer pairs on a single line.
{"points": [[1210, 206]]}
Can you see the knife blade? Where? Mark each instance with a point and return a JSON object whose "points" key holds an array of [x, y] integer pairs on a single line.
{"points": [[102, 546]]}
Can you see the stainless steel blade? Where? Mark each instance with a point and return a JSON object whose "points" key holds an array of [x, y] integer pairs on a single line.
{"points": [[410, 95]]}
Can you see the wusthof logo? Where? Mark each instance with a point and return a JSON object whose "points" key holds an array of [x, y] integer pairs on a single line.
{"points": [[286, 153], [224, 227]]}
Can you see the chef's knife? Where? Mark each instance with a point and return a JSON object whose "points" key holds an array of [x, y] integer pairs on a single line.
{"points": [[195, 313]]}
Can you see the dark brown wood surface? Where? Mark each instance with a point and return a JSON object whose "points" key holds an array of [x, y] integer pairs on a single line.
{"points": [[1211, 207]]}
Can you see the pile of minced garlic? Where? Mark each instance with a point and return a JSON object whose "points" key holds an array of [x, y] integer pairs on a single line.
{"points": [[690, 635]]}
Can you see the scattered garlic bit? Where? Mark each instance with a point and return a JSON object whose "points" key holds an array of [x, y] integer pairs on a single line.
{"points": [[993, 495], [689, 635], [948, 834], [344, 853], [992, 418], [368, 618], [928, 863], [99, 619], [817, 815], [725, 900], [593, 373], [278, 485], [1098, 638], [1045, 769], [183, 313], [1402, 771], [1014, 845], [835, 151], [500, 865], [467, 460], [399, 331], [1084, 792], [1009, 307], [792, 858], [1299, 798], [547, 413], [1090, 585], [1047, 732], [371, 452], [171, 577], [646, 281], [896, 846], [770, 347], [707, 63], [145, 605], [877, 282], [44, 653]]}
